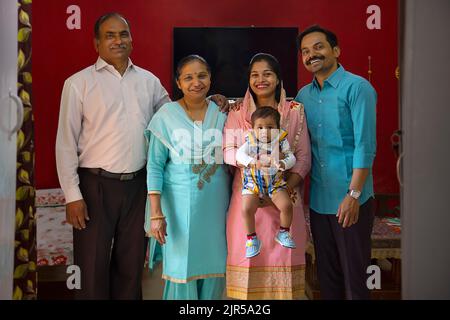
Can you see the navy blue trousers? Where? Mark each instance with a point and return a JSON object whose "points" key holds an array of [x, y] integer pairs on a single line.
{"points": [[343, 254]]}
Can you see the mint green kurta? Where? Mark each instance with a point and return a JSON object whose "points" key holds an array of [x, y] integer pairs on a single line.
{"points": [[194, 195]]}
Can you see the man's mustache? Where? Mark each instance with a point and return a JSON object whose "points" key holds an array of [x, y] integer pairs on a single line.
{"points": [[120, 46], [314, 58]]}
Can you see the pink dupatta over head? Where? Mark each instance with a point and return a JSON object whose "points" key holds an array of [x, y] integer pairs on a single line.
{"points": [[277, 272]]}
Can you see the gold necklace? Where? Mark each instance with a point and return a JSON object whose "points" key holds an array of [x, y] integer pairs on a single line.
{"points": [[186, 107]]}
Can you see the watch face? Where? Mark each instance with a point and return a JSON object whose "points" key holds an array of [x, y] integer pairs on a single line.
{"points": [[354, 194]]}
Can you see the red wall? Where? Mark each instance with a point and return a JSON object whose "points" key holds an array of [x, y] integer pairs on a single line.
{"points": [[59, 52]]}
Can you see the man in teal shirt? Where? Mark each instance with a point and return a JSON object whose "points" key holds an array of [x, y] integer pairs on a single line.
{"points": [[340, 109]]}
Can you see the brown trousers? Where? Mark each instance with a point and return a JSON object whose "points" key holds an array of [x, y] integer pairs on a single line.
{"points": [[111, 250]]}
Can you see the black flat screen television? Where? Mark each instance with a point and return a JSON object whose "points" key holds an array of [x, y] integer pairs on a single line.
{"points": [[228, 51]]}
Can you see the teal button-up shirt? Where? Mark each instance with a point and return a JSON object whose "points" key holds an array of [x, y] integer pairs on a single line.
{"points": [[342, 125]]}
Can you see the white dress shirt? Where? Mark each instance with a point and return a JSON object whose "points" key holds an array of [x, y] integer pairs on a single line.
{"points": [[102, 120]]}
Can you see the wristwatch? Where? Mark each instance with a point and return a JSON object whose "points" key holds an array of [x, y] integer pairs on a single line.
{"points": [[355, 194]]}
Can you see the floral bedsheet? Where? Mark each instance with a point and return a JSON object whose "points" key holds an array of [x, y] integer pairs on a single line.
{"points": [[54, 234]]}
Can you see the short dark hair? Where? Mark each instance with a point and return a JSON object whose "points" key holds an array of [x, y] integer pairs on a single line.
{"points": [[266, 112], [105, 17], [273, 64], [331, 37]]}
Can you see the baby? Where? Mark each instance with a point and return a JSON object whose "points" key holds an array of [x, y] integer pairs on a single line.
{"points": [[263, 175]]}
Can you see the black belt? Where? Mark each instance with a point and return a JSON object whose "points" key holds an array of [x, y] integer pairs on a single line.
{"points": [[117, 176]]}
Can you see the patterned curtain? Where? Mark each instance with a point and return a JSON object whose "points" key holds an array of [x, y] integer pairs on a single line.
{"points": [[25, 275]]}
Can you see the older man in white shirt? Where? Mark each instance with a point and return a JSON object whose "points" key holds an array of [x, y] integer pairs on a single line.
{"points": [[101, 157]]}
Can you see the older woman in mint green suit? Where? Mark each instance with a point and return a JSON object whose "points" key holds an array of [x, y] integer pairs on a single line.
{"points": [[188, 188]]}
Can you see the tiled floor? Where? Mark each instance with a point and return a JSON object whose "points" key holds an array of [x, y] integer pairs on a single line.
{"points": [[152, 284]]}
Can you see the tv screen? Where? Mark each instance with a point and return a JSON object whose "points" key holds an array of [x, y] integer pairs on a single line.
{"points": [[229, 50]]}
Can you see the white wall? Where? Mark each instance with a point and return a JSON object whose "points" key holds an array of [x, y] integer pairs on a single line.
{"points": [[425, 76]]}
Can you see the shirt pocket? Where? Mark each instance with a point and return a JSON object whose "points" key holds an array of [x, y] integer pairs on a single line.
{"points": [[143, 107], [140, 105]]}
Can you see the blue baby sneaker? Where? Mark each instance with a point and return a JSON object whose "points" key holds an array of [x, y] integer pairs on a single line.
{"points": [[284, 238], [252, 247]]}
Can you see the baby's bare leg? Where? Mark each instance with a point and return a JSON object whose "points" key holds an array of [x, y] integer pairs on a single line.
{"points": [[283, 202], [249, 206]]}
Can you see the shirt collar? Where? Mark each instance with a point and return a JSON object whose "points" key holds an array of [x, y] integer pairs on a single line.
{"points": [[100, 64], [333, 79]]}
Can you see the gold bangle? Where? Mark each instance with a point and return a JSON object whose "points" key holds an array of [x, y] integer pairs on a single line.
{"points": [[157, 217]]}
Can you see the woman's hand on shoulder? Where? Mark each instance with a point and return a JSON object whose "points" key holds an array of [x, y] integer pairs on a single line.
{"points": [[295, 105], [237, 104], [221, 101]]}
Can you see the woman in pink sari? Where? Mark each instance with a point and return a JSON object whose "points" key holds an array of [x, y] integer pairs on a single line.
{"points": [[277, 272]]}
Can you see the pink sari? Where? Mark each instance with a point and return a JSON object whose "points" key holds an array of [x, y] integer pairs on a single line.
{"points": [[277, 272]]}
